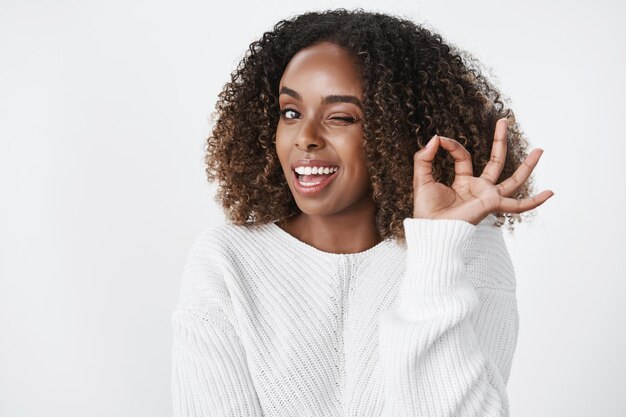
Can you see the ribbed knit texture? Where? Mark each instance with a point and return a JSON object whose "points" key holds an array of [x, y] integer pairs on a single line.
{"points": [[267, 325]]}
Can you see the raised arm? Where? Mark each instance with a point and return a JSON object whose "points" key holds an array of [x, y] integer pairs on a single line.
{"points": [[442, 352], [210, 375]]}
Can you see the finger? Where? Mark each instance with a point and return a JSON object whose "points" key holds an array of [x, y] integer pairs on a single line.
{"points": [[498, 153], [511, 205], [462, 157], [521, 174], [423, 162]]}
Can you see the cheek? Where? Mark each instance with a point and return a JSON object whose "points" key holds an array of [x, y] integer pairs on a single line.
{"points": [[363, 170], [358, 175], [363, 178], [281, 147]]}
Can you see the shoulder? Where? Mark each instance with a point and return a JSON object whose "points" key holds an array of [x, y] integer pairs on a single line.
{"points": [[207, 274], [222, 239]]}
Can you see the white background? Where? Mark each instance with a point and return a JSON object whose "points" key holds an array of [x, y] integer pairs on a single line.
{"points": [[104, 109]]}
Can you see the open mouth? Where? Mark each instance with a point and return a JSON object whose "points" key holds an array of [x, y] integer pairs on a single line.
{"points": [[309, 184], [315, 174]]}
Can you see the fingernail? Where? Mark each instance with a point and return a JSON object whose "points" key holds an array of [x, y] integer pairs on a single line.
{"points": [[430, 142]]}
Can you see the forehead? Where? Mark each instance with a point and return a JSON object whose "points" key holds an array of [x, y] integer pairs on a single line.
{"points": [[325, 67]]}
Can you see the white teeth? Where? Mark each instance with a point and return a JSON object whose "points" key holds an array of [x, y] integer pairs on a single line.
{"points": [[315, 170]]}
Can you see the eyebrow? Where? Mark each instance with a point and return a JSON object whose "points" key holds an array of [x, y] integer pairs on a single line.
{"points": [[333, 98]]}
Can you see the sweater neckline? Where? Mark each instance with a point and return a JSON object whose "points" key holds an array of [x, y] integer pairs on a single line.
{"points": [[291, 240]]}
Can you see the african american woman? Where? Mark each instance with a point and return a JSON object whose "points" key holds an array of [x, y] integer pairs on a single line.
{"points": [[366, 170]]}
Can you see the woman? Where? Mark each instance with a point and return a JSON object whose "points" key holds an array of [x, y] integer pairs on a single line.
{"points": [[363, 271]]}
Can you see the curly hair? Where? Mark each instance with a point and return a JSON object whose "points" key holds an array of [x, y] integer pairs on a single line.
{"points": [[414, 86]]}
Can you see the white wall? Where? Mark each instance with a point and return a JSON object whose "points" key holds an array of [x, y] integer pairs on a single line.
{"points": [[103, 112]]}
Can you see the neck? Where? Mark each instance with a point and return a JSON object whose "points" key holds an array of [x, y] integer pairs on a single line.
{"points": [[345, 232]]}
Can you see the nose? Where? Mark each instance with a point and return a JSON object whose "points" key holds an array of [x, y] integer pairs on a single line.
{"points": [[308, 137]]}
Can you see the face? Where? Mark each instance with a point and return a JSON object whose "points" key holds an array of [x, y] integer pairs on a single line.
{"points": [[320, 125]]}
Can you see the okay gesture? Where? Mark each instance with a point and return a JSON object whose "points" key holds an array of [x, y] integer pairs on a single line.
{"points": [[471, 198]]}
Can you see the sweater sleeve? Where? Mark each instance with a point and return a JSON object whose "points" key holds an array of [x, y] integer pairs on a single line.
{"points": [[210, 376], [437, 357]]}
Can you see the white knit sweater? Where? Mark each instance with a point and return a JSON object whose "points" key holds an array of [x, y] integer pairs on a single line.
{"points": [[267, 325]]}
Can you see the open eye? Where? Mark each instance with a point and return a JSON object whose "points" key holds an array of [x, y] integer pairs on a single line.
{"points": [[283, 113]]}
